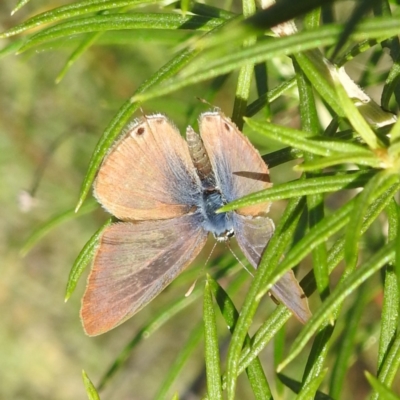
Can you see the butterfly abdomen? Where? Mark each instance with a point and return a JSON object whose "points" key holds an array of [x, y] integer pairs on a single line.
{"points": [[200, 158]]}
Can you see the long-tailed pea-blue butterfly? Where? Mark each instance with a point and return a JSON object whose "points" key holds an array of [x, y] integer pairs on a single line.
{"points": [[165, 192]]}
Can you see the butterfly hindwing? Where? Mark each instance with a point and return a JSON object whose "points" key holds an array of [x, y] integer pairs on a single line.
{"points": [[253, 235], [133, 264]]}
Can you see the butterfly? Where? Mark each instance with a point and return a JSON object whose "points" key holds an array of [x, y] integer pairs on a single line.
{"points": [[165, 192]]}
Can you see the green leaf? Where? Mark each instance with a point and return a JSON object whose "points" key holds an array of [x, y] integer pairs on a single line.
{"points": [[304, 140], [358, 122], [19, 5], [303, 187], [179, 362], [90, 389], [52, 223], [350, 158], [83, 259], [378, 184], [245, 74], [86, 43], [295, 386], [101, 23], [213, 371], [75, 9], [310, 389], [383, 390], [391, 363], [347, 341], [255, 373]]}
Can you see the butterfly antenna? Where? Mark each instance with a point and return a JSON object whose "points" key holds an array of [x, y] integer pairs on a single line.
{"points": [[201, 272], [26, 198], [215, 108], [237, 259]]}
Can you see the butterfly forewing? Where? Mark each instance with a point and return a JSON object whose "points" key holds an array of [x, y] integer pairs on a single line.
{"points": [[238, 167], [134, 263], [148, 174]]}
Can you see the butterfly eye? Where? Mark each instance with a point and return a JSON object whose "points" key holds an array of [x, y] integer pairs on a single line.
{"points": [[230, 233], [227, 127]]}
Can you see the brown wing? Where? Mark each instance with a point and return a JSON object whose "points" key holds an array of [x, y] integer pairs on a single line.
{"points": [[253, 235], [238, 167], [148, 174], [135, 261]]}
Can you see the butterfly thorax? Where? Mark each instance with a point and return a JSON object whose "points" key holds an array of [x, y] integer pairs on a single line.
{"points": [[220, 225]]}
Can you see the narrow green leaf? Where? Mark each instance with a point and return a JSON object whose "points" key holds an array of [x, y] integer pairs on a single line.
{"points": [[310, 123], [351, 158], [86, 43], [185, 6], [304, 140], [255, 373], [391, 295], [52, 223], [341, 291], [90, 389], [390, 365], [320, 233], [75, 9], [212, 359], [106, 22], [395, 133], [273, 94], [313, 65], [258, 381], [12, 48], [310, 389], [263, 336], [316, 359], [19, 5], [295, 386], [187, 349], [210, 11], [383, 390], [83, 260], [392, 81], [245, 75], [379, 183], [397, 260], [346, 342], [357, 121]]}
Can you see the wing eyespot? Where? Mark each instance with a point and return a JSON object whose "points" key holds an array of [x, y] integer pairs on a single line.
{"points": [[140, 131]]}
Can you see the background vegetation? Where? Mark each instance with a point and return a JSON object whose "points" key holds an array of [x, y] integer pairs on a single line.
{"points": [[64, 99]]}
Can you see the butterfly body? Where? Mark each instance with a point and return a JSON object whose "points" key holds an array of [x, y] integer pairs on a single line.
{"points": [[220, 225], [166, 191]]}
